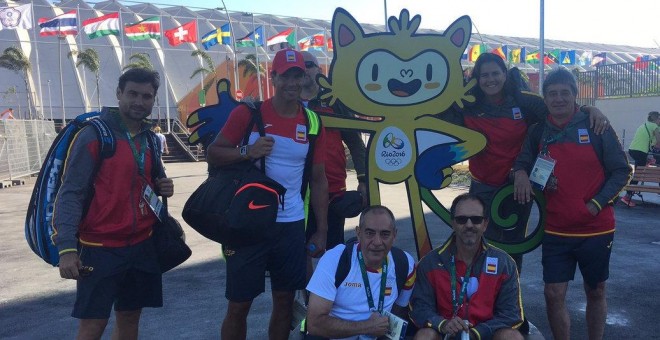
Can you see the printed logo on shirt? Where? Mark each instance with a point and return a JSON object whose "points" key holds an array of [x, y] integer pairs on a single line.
{"points": [[267, 126], [516, 113], [583, 136], [353, 284], [388, 291], [301, 133], [491, 265]]}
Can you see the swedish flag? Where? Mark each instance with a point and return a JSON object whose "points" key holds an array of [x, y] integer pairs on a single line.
{"points": [[221, 35]]}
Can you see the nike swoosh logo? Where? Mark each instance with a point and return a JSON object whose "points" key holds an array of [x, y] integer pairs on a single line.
{"points": [[267, 125], [253, 206]]}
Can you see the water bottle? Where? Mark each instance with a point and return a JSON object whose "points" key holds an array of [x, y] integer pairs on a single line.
{"points": [[465, 335]]}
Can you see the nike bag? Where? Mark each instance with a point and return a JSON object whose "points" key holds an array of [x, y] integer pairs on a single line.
{"points": [[170, 241], [236, 206]]}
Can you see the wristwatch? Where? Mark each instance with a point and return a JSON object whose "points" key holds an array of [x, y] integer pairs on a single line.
{"points": [[243, 150]]}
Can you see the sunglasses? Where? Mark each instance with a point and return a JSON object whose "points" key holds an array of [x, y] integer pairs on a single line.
{"points": [[310, 64], [464, 219]]}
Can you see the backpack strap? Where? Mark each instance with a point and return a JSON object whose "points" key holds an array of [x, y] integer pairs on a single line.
{"points": [[108, 144], [344, 265], [257, 119]]}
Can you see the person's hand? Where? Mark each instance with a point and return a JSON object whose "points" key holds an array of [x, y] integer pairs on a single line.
{"points": [[522, 188], [318, 240], [455, 326], [598, 121], [591, 206], [70, 265], [262, 147], [362, 188], [164, 187], [379, 324]]}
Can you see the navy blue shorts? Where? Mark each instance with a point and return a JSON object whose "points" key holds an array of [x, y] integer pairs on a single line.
{"points": [[127, 277], [562, 254], [284, 257]]}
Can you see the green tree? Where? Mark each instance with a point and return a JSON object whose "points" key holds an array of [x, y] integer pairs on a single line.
{"points": [[250, 67], [89, 58], [14, 59], [206, 68], [139, 60]]}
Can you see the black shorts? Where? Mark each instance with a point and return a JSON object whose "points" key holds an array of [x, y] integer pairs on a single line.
{"points": [[128, 277], [335, 228], [561, 254], [284, 257]]}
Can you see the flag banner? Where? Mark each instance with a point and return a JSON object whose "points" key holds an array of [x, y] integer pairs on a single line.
{"points": [[552, 57], [254, 38], [282, 40], [12, 18], [317, 42], [567, 57], [475, 51], [303, 44], [102, 26], [532, 58], [331, 47], [585, 58], [211, 38], [599, 59], [184, 33], [63, 24], [642, 62], [500, 51], [514, 56], [225, 34], [148, 28]]}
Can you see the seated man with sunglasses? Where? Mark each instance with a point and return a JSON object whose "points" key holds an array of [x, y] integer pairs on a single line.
{"points": [[489, 305]]}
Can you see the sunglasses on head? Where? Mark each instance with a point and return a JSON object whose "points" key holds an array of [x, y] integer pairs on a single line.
{"points": [[310, 64], [464, 219]]}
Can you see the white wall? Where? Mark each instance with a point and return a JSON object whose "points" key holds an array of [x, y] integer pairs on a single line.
{"points": [[627, 114]]}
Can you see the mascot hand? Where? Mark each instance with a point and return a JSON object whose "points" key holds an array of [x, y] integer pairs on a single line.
{"points": [[433, 167], [208, 121]]}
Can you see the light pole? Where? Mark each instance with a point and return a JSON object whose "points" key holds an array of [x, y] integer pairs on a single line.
{"points": [[542, 47], [50, 101], [256, 54], [233, 43]]}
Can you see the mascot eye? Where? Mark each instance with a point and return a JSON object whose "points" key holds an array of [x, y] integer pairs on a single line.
{"points": [[374, 72], [429, 72]]}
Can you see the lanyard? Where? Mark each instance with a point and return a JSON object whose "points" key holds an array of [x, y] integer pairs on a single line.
{"points": [[464, 287], [140, 155], [367, 286]]}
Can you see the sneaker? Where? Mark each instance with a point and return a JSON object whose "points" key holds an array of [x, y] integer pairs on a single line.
{"points": [[628, 201]]}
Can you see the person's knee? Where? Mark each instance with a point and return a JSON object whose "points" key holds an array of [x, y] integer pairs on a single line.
{"points": [[427, 334], [595, 293], [283, 298], [238, 309], [507, 334], [555, 293], [91, 328]]}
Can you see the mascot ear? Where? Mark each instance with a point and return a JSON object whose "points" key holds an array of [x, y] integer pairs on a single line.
{"points": [[345, 29], [459, 32]]}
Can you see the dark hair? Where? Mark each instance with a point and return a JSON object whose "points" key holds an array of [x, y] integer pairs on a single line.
{"points": [[376, 209], [653, 115], [476, 72], [560, 75], [140, 76], [467, 197]]}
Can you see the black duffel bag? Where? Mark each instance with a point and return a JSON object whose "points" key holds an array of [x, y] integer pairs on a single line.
{"points": [[170, 241], [237, 205]]}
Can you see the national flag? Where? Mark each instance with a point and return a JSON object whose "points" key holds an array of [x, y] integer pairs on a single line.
{"points": [[500, 51], [330, 46], [12, 18], [102, 26], [317, 42], [514, 56], [599, 59], [148, 28], [63, 24], [211, 38], [254, 38], [282, 40], [225, 34], [475, 52], [585, 58], [304, 43], [567, 57], [552, 57], [532, 58], [184, 33], [388, 291], [642, 63]]}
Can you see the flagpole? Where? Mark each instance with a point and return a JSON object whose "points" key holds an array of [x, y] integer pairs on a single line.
{"points": [[84, 76], [232, 36], [542, 46], [59, 49], [267, 75], [167, 91], [36, 49], [122, 43], [256, 52]]}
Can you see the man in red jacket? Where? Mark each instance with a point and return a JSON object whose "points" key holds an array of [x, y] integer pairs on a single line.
{"points": [[102, 223], [581, 173]]}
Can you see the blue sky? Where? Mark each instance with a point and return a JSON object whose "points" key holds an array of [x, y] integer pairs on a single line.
{"points": [[612, 22]]}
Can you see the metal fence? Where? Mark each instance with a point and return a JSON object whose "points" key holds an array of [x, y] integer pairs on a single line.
{"points": [[626, 80], [23, 146]]}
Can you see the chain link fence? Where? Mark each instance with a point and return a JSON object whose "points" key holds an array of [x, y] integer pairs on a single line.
{"points": [[23, 146]]}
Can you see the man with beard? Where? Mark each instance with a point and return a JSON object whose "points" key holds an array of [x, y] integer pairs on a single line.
{"points": [[466, 285], [286, 147], [102, 223]]}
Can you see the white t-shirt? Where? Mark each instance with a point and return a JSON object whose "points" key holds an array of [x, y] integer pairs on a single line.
{"points": [[162, 142], [350, 299]]}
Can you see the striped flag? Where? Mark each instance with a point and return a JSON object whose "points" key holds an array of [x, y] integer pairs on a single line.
{"points": [[63, 24], [282, 40], [148, 28], [102, 26]]}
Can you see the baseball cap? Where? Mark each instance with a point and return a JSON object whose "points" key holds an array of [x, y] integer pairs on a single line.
{"points": [[286, 59], [347, 205]]}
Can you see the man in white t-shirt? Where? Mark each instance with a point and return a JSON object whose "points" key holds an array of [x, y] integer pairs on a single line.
{"points": [[7, 114], [345, 310]]}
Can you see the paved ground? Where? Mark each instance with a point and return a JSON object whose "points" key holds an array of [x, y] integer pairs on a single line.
{"points": [[35, 302]]}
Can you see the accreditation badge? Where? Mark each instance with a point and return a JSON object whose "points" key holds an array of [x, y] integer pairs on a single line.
{"points": [[517, 114], [397, 327], [542, 171], [150, 197]]}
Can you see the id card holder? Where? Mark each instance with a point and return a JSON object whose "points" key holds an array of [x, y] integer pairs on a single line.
{"points": [[152, 200], [397, 327], [542, 171]]}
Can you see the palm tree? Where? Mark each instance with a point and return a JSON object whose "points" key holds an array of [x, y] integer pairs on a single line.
{"points": [[139, 60], [89, 58], [249, 65], [14, 59], [203, 70]]}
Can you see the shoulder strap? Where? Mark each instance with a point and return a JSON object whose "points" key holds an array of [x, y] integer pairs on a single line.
{"points": [[400, 266], [597, 143], [257, 119], [537, 134], [107, 143], [344, 265]]}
